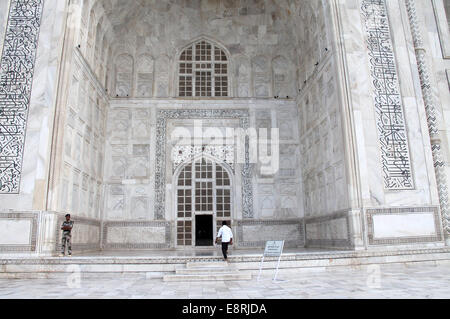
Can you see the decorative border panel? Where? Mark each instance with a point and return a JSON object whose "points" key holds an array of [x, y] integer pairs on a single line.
{"points": [[294, 243], [160, 171], [16, 77], [403, 240], [33, 234], [391, 126], [337, 243], [166, 225]]}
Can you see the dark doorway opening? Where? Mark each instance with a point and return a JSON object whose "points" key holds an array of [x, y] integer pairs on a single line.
{"points": [[204, 230]]}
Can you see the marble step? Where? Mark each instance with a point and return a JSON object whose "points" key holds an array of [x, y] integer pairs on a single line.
{"points": [[207, 271], [206, 264], [228, 276], [201, 270]]}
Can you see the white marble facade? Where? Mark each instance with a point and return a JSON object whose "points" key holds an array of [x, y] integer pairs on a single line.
{"points": [[98, 144]]}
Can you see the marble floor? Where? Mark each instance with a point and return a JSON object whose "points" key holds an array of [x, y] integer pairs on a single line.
{"points": [[385, 282]]}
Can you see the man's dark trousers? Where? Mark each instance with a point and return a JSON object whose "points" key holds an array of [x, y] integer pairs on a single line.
{"points": [[225, 250]]}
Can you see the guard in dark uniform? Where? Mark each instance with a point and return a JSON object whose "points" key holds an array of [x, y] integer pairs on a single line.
{"points": [[66, 227]]}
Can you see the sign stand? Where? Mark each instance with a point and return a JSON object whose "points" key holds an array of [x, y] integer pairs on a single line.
{"points": [[273, 249]]}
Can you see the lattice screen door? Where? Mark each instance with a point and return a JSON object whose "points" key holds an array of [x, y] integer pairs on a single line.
{"points": [[203, 188]]}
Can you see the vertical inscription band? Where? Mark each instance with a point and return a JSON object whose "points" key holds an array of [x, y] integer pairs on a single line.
{"points": [[391, 127], [16, 77]]}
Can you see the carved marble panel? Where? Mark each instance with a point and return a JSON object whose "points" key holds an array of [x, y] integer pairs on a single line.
{"points": [[223, 153], [144, 76], [283, 80], [141, 128], [243, 73], [140, 207], [141, 150], [138, 168], [162, 76], [261, 76], [16, 77], [124, 75], [390, 117]]}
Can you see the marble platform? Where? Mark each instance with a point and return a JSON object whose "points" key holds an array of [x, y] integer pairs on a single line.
{"points": [[157, 264]]}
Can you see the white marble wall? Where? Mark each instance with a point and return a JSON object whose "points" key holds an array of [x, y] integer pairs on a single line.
{"points": [[131, 160], [81, 184], [434, 20], [329, 162], [130, 157], [373, 192], [128, 169], [323, 164], [322, 147], [363, 118]]}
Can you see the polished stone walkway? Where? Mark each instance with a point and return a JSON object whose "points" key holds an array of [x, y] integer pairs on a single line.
{"points": [[386, 281]]}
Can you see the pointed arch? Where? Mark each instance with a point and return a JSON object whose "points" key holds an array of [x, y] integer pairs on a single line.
{"points": [[283, 77], [242, 76], [162, 79], [261, 76], [144, 75], [204, 186], [203, 69], [124, 73], [89, 49]]}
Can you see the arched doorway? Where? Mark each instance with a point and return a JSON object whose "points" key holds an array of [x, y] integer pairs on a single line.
{"points": [[203, 201]]}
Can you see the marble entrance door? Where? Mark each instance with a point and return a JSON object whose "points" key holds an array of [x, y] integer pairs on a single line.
{"points": [[204, 190]]}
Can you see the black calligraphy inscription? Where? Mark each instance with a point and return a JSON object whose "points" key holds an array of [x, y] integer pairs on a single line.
{"points": [[388, 103], [16, 76]]}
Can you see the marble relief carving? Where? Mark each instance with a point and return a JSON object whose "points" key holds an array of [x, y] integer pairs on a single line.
{"points": [[161, 76], [160, 170], [261, 76], [183, 153], [283, 78], [144, 85], [391, 127], [124, 72], [16, 77], [243, 71]]}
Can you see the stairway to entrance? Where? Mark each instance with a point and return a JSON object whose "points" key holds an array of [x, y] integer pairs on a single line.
{"points": [[207, 271]]}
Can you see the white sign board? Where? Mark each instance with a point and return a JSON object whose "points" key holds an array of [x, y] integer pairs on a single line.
{"points": [[274, 248]]}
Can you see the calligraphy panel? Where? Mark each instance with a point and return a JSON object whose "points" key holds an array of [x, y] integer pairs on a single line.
{"points": [[16, 77], [391, 126]]}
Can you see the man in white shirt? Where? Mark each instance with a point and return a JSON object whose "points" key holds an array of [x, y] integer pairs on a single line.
{"points": [[227, 239]]}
